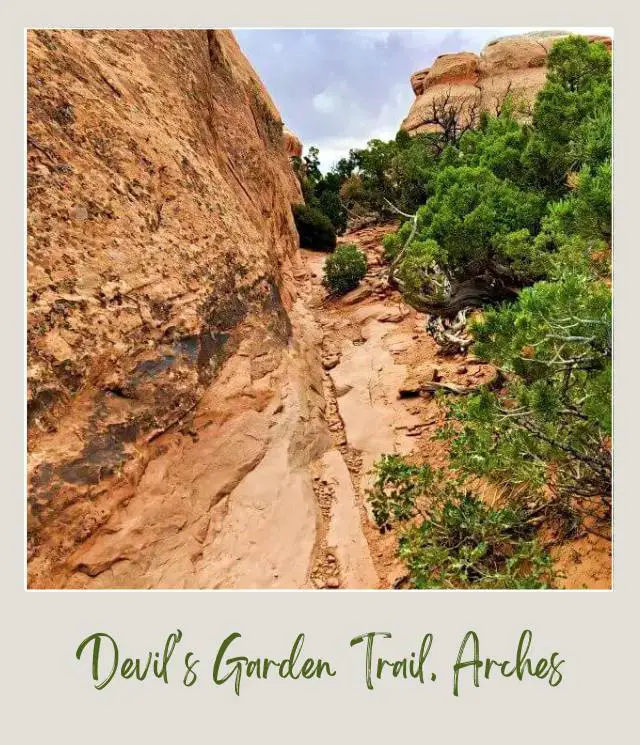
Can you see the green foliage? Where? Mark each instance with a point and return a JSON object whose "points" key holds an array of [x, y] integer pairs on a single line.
{"points": [[321, 192], [467, 544], [400, 171], [529, 205], [392, 243], [517, 202], [587, 211], [572, 116], [397, 487], [314, 228], [451, 538], [498, 146], [344, 269], [416, 270], [469, 216], [552, 423], [330, 204], [312, 165]]}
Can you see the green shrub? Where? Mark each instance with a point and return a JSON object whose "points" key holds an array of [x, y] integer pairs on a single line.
{"points": [[465, 543], [451, 538], [499, 146], [392, 243], [398, 484], [470, 213], [330, 204], [314, 228], [344, 269], [572, 115], [551, 425]]}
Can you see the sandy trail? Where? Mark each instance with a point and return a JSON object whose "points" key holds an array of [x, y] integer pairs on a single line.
{"points": [[371, 344]]}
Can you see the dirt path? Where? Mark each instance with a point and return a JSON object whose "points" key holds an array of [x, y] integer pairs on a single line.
{"points": [[373, 345]]}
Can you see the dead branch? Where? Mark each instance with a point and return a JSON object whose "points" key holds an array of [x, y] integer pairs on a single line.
{"points": [[453, 118], [463, 390], [391, 278], [450, 336]]}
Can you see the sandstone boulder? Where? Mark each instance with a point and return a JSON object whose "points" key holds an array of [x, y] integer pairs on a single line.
{"points": [[292, 145]]}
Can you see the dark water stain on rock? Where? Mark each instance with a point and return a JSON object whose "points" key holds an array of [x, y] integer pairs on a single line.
{"points": [[280, 325], [212, 353], [187, 346], [102, 454], [226, 313], [151, 368], [105, 449], [42, 402]]}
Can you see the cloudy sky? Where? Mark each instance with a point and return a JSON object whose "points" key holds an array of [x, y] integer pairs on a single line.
{"points": [[337, 89]]}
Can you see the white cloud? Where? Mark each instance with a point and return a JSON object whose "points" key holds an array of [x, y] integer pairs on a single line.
{"points": [[370, 37], [332, 98], [326, 102], [382, 124], [334, 148]]}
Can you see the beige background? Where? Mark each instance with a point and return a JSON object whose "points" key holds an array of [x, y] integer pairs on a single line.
{"points": [[49, 696]]}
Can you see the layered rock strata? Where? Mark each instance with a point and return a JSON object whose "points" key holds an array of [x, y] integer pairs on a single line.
{"points": [[474, 82]]}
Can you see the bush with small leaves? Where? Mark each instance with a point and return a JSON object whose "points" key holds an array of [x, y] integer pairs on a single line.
{"points": [[466, 544], [551, 425], [344, 269], [450, 538], [397, 486], [314, 228], [526, 208]]}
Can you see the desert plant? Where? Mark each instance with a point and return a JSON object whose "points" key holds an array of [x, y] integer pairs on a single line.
{"points": [[397, 486], [344, 269], [464, 543], [572, 115], [518, 213], [551, 425], [330, 204], [451, 538], [314, 228]]}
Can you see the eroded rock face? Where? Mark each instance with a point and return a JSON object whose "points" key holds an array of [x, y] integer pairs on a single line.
{"points": [[292, 145], [164, 342], [479, 82]]}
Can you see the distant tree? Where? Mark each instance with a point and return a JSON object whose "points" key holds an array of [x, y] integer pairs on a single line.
{"points": [[453, 117], [314, 228], [312, 165]]}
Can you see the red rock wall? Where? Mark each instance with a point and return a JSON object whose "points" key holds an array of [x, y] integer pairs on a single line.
{"points": [[159, 229]]}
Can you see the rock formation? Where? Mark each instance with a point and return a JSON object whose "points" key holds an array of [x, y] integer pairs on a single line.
{"points": [[473, 82], [292, 145], [164, 333]]}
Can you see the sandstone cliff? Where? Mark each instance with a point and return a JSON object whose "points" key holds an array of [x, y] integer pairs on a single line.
{"points": [[164, 344], [479, 82]]}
